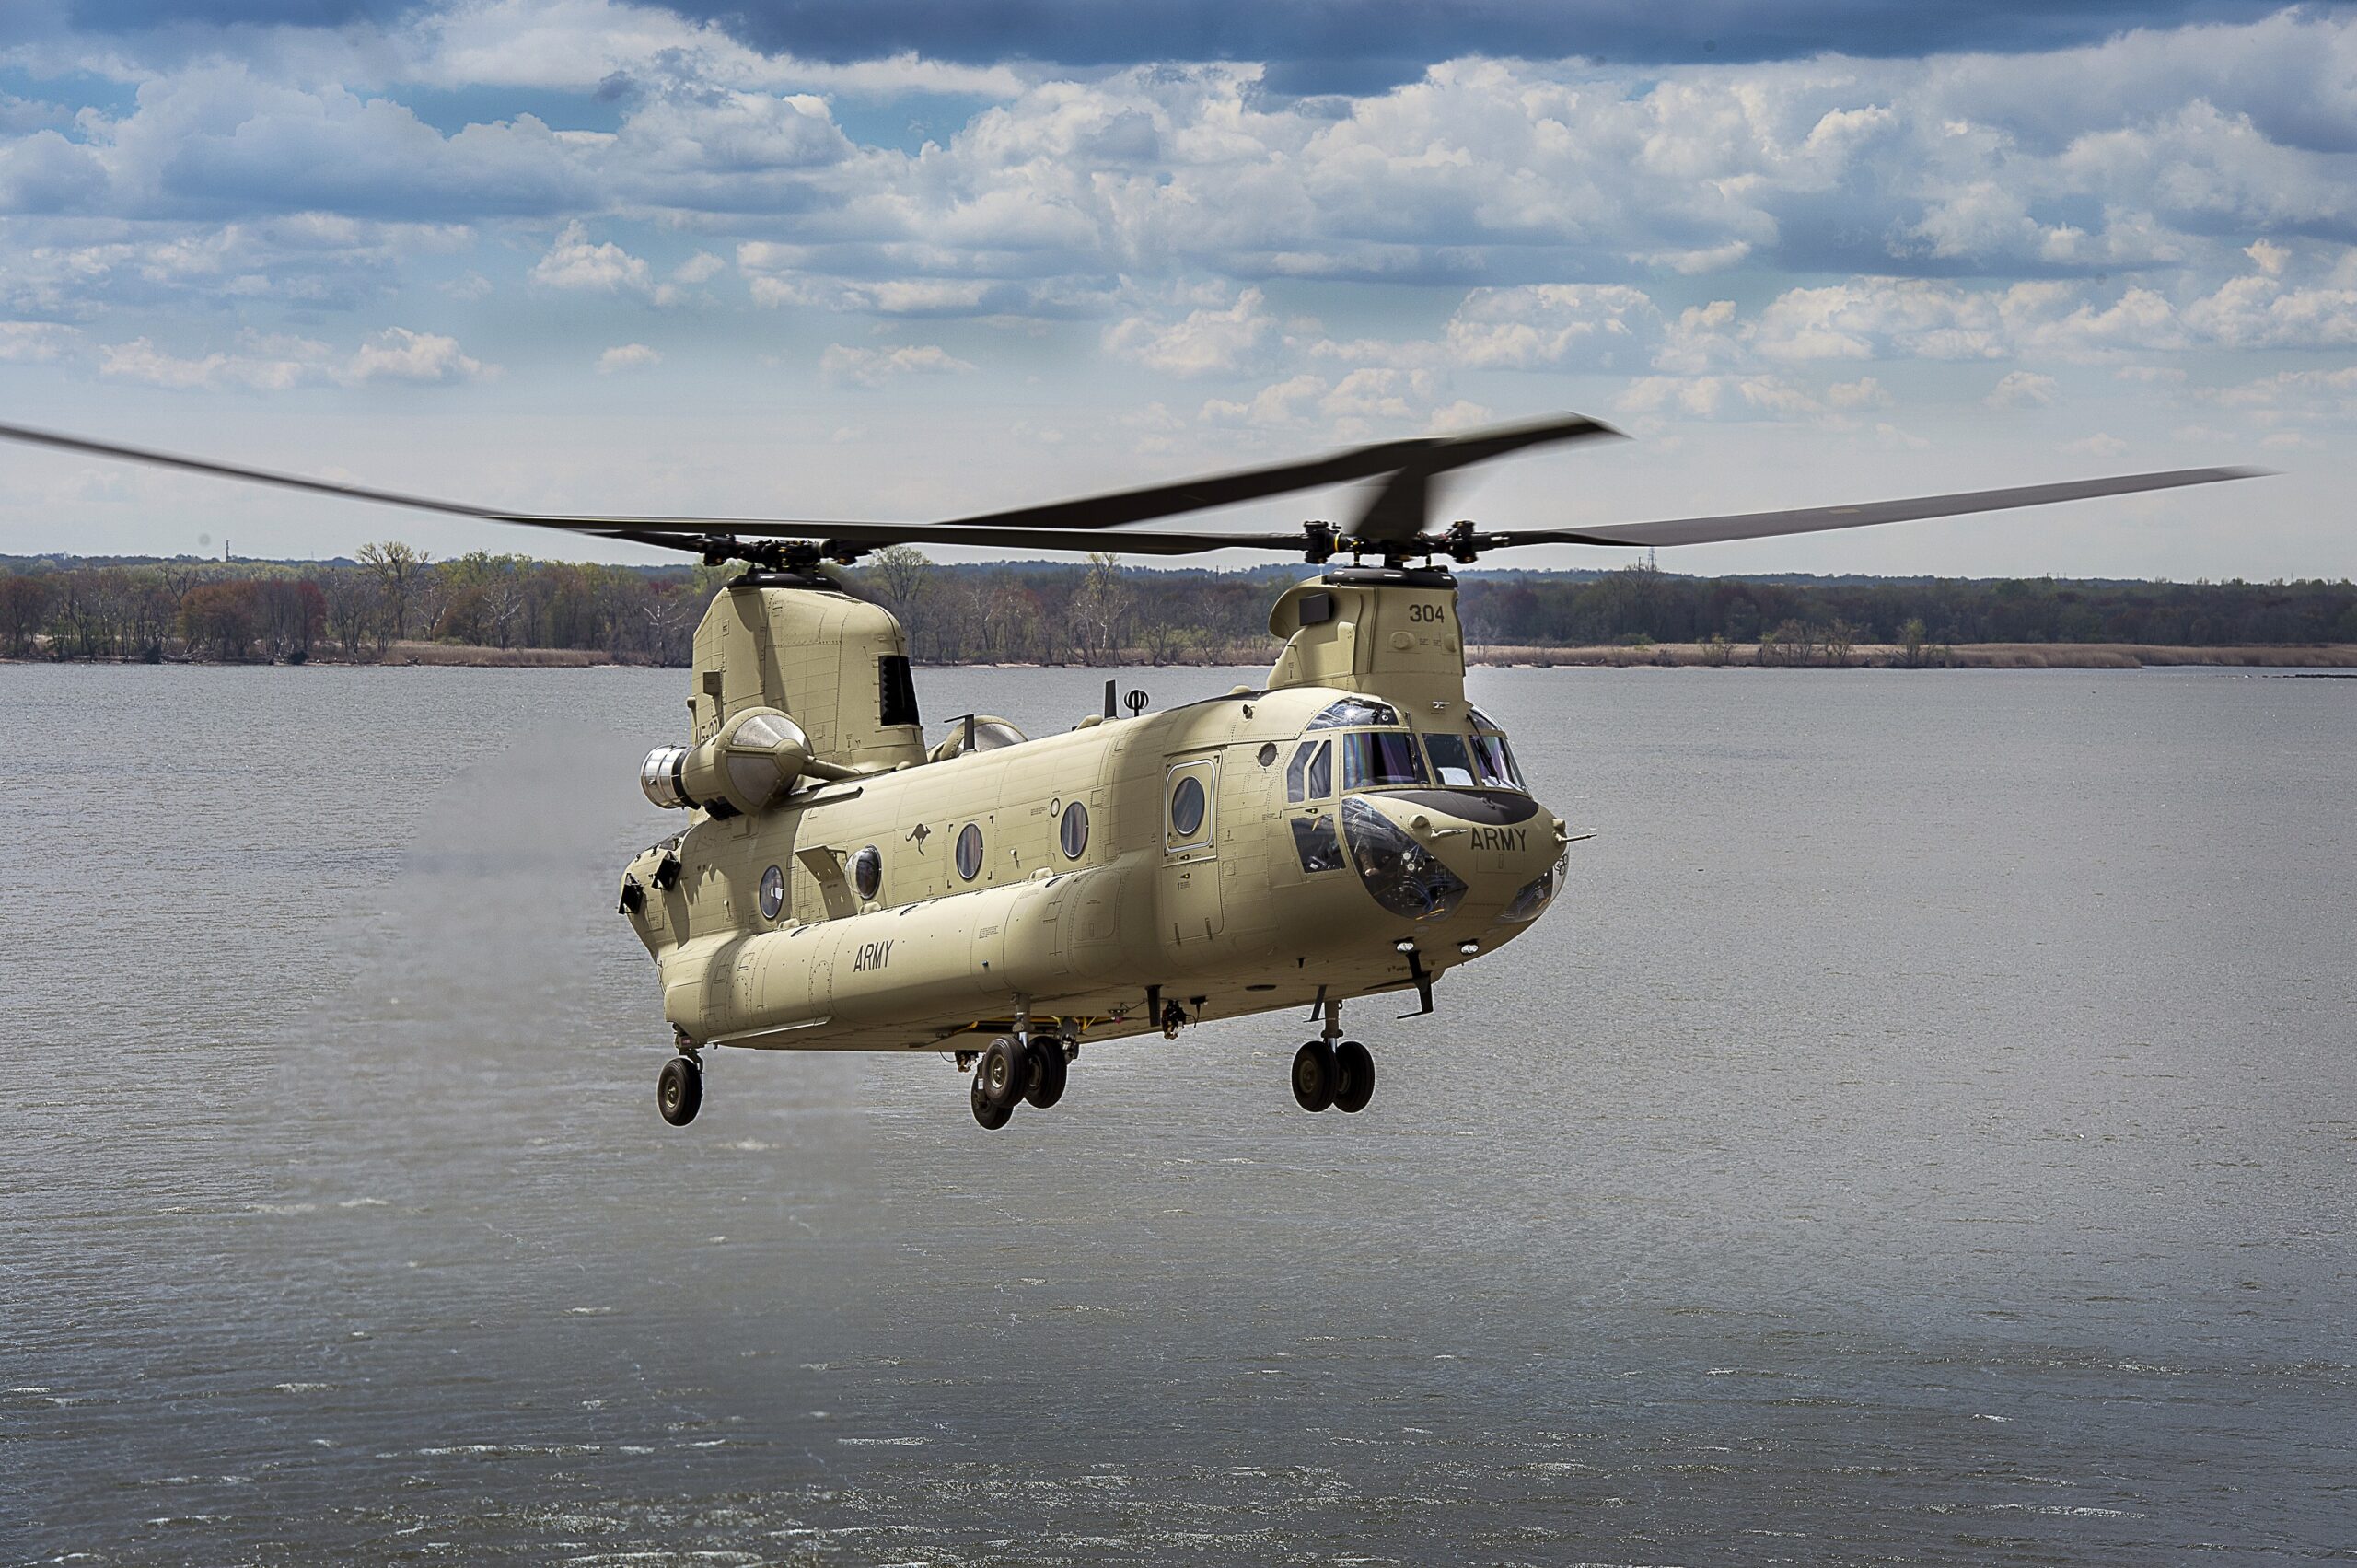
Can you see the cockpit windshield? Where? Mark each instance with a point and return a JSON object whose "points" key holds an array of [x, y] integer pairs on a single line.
{"points": [[1474, 761], [1374, 759]]}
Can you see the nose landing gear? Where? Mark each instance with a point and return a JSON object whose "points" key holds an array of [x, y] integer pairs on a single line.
{"points": [[1332, 1071]]}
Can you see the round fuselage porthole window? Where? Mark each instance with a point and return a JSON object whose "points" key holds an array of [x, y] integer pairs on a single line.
{"points": [[867, 872], [772, 892], [1187, 808], [970, 850], [1073, 831]]}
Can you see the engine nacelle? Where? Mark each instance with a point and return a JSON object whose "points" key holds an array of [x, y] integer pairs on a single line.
{"points": [[750, 765]]}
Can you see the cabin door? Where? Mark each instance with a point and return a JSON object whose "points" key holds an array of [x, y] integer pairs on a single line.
{"points": [[1191, 849]]}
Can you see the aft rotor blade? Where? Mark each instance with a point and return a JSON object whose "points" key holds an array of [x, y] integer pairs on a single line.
{"points": [[1815, 519]]}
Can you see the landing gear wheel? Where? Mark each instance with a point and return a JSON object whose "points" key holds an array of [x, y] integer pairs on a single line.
{"points": [[1313, 1075], [989, 1114], [1353, 1077], [1001, 1076], [1045, 1083], [679, 1090]]}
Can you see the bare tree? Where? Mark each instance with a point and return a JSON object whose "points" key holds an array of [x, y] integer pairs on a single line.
{"points": [[398, 572], [1100, 611]]}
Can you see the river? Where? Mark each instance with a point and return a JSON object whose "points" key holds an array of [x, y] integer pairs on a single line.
{"points": [[1923, 1131]]}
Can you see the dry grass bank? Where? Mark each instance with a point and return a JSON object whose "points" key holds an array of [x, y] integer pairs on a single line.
{"points": [[474, 656]]}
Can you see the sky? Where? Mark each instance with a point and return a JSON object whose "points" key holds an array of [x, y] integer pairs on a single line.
{"points": [[916, 259]]}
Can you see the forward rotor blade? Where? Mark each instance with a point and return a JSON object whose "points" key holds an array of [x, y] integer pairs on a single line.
{"points": [[1111, 510], [674, 533], [1401, 509], [1424, 455], [1815, 519]]}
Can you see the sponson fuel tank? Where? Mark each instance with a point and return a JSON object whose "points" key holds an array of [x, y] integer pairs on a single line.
{"points": [[974, 953]]}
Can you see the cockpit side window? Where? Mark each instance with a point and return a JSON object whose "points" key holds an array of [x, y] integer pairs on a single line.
{"points": [[1374, 759], [1494, 760], [1311, 775], [1452, 762]]}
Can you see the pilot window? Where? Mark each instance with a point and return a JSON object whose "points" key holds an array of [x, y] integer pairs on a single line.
{"points": [[1452, 763], [1311, 775], [1374, 759]]}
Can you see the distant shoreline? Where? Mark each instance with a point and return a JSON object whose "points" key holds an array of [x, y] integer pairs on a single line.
{"points": [[1670, 656]]}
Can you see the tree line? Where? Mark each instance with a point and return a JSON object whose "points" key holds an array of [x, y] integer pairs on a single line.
{"points": [[1098, 611]]}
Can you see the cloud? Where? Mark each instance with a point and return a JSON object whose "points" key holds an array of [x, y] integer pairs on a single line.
{"points": [[1545, 326], [399, 355], [627, 356], [574, 263], [2023, 388], [272, 363], [1206, 341], [36, 341], [874, 367]]}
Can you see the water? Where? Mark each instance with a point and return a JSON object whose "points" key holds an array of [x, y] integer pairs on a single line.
{"points": [[1923, 1132]]}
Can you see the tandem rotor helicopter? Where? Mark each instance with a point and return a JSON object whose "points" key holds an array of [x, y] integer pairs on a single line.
{"points": [[1350, 829]]}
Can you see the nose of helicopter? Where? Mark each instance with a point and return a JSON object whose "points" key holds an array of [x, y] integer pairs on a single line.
{"points": [[1460, 857]]}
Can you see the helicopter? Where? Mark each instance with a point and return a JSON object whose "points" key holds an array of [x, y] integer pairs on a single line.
{"points": [[1351, 828]]}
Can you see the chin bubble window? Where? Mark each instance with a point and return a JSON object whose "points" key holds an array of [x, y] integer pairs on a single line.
{"points": [[1404, 876], [970, 850], [1073, 832]]}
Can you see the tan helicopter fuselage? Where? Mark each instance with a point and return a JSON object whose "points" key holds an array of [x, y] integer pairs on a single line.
{"points": [[1268, 849]]}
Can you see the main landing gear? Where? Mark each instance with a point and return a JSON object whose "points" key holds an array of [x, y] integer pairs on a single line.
{"points": [[1332, 1071], [1012, 1070], [679, 1089]]}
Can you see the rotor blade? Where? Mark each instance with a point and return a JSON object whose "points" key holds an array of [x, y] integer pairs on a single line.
{"points": [[1090, 512], [1401, 507], [1424, 454], [673, 533], [1813, 519], [255, 476]]}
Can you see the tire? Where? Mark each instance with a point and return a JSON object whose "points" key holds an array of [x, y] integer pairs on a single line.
{"points": [[679, 1090], [1002, 1072], [1045, 1084], [1353, 1077], [1313, 1075], [989, 1115]]}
